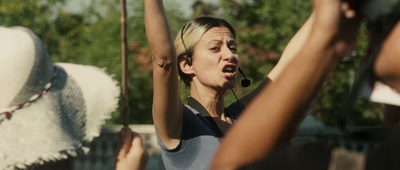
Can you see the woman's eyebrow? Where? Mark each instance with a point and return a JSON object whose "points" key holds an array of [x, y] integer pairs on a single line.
{"points": [[232, 42], [215, 41]]}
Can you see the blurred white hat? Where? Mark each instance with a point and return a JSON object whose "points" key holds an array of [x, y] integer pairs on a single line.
{"points": [[48, 111]]}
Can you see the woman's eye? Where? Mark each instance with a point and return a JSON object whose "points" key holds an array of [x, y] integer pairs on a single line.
{"points": [[234, 49], [215, 48]]}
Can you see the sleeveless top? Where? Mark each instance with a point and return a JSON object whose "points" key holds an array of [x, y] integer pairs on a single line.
{"points": [[198, 141]]}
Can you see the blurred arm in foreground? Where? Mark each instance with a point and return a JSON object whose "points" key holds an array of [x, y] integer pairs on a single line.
{"points": [[332, 36]]}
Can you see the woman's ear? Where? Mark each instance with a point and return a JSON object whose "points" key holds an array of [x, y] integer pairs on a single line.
{"points": [[185, 67]]}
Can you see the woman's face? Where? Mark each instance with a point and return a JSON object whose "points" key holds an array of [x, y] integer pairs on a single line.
{"points": [[215, 59]]}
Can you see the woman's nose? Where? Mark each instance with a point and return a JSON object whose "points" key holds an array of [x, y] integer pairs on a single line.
{"points": [[229, 55]]}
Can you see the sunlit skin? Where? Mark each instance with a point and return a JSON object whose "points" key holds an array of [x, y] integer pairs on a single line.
{"points": [[216, 50]]}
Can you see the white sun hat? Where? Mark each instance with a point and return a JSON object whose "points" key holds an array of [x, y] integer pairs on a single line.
{"points": [[48, 111]]}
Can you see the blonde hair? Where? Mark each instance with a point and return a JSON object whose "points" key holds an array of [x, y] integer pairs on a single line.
{"points": [[190, 35]]}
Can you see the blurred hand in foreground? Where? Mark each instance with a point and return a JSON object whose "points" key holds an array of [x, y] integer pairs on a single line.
{"points": [[130, 154]]}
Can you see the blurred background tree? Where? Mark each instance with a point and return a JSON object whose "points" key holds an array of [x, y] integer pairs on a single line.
{"points": [[92, 36]]}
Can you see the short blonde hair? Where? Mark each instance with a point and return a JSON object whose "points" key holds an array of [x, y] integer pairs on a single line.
{"points": [[190, 35]]}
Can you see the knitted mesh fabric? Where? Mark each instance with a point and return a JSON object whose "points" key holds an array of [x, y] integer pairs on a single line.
{"points": [[40, 74]]}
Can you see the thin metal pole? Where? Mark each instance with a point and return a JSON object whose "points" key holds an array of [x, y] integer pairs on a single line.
{"points": [[125, 101]]}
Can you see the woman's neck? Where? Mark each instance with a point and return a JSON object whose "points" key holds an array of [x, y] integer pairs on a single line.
{"points": [[210, 99]]}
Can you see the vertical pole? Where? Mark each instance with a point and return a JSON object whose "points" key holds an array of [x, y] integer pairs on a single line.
{"points": [[125, 101]]}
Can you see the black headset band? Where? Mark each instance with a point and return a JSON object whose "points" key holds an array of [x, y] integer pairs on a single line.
{"points": [[188, 55]]}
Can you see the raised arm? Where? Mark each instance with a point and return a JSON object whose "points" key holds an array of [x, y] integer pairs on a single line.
{"points": [[388, 59], [332, 36], [292, 48], [167, 105]]}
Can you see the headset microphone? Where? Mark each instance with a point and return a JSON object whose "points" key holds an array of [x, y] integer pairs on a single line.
{"points": [[245, 82]]}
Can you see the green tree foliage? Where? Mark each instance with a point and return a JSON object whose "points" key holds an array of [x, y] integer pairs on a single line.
{"points": [[37, 15], [263, 29]]}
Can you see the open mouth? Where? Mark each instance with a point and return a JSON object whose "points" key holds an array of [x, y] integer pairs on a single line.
{"points": [[229, 70]]}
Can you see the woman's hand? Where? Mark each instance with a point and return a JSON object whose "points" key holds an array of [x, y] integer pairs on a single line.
{"points": [[337, 23], [131, 154]]}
